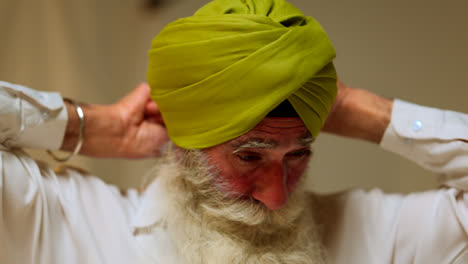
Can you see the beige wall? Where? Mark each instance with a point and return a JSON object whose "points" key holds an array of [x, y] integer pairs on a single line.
{"points": [[95, 51]]}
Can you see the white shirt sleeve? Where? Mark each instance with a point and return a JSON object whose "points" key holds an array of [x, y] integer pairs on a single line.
{"points": [[31, 119], [434, 139], [50, 217], [429, 227]]}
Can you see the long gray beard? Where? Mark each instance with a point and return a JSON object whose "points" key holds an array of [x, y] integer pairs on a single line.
{"points": [[209, 228]]}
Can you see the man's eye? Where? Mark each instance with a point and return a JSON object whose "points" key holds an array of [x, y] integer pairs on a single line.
{"points": [[249, 158], [300, 153]]}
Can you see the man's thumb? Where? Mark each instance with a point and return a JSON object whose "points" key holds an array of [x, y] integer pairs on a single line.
{"points": [[138, 97]]}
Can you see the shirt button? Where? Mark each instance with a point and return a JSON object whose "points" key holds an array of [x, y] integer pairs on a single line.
{"points": [[417, 126]]}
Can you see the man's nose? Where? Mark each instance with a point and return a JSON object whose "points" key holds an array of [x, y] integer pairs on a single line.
{"points": [[270, 187]]}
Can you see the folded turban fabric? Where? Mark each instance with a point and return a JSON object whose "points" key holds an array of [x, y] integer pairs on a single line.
{"points": [[217, 74]]}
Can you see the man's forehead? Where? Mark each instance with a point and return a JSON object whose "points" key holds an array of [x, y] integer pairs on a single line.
{"points": [[272, 130]]}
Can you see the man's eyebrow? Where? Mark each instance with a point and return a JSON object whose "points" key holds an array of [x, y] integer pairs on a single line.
{"points": [[253, 143], [306, 140]]}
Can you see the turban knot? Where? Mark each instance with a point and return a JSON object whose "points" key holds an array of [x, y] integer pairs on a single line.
{"points": [[218, 73]]}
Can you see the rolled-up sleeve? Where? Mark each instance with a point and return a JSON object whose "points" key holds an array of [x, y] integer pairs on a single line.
{"points": [[31, 119]]}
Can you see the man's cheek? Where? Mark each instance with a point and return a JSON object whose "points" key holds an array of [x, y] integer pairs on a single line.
{"points": [[234, 187], [293, 179]]}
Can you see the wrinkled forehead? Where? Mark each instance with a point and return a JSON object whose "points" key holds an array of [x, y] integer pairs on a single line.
{"points": [[276, 130]]}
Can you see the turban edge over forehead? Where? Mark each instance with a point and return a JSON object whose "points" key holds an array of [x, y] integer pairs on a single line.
{"points": [[217, 74]]}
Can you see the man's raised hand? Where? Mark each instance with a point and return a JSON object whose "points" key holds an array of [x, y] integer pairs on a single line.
{"points": [[131, 128]]}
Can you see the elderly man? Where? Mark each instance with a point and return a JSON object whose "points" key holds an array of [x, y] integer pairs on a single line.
{"points": [[243, 87]]}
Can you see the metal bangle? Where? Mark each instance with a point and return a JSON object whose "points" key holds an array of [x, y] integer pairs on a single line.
{"points": [[78, 146]]}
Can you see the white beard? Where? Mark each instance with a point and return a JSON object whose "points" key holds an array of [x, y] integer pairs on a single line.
{"points": [[208, 228]]}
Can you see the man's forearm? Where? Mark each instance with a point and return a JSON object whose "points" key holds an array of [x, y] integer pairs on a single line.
{"points": [[359, 114]]}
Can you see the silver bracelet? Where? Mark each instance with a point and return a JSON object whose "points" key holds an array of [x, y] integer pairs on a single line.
{"points": [[78, 146]]}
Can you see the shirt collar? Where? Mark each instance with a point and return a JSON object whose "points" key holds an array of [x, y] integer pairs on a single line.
{"points": [[151, 209]]}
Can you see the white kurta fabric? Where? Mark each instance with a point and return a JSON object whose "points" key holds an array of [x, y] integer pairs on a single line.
{"points": [[52, 217]]}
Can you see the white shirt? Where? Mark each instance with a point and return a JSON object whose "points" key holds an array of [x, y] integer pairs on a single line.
{"points": [[61, 217]]}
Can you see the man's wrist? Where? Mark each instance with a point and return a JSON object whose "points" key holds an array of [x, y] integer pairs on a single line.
{"points": [[371, 115], [94, 126], [69, 138], [360, 114], [72, 131]]}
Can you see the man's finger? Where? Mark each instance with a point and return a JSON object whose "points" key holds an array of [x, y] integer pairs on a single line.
{"points": [[151, 108], [138, 97]]}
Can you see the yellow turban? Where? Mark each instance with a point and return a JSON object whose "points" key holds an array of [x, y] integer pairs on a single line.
{"points": [[217, 74]]}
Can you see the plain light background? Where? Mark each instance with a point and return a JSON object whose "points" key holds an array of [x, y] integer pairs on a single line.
{"points": [[95, 51]]}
